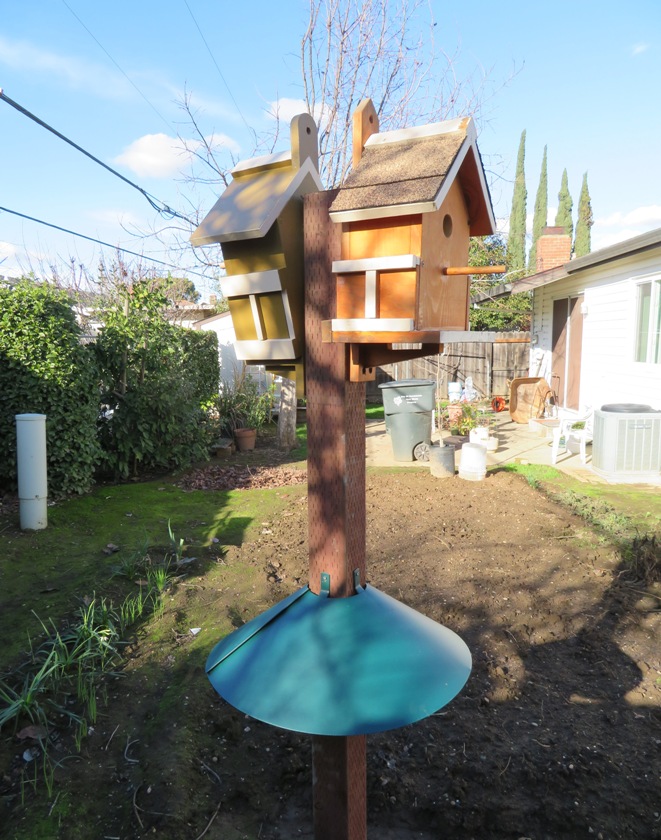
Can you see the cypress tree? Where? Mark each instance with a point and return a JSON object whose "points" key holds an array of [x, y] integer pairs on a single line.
{"points": [[584, 222], [540, 215], [565, 204], [516, 240]]}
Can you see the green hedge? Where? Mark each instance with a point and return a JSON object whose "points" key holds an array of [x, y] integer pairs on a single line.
{"points": [[44, 369], [200, 349], [156, 382]]}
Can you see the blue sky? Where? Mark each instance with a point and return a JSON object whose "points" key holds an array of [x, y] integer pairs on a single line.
{"points": [[581, 78]]}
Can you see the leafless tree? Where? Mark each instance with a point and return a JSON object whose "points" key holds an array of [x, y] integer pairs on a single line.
{"points": [[352, 49], [387, 50]]}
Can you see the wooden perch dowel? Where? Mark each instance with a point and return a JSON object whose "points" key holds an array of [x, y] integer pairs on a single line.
{"points": [[455, 271]]}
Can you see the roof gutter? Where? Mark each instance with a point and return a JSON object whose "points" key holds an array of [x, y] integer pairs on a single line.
{"points": [[621, 250]]}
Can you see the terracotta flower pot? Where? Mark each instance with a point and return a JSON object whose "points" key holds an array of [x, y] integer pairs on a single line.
{"points": [[454, 413], [245, 439]]}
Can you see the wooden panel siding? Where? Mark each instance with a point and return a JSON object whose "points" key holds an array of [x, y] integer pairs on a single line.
{"points": [[489, 364]]}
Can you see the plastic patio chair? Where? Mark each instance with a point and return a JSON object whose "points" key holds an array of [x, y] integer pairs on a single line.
{"points": [[568, 428]]}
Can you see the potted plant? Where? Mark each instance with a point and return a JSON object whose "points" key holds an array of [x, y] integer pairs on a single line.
{"points": [[244, 410], [463, 420]]}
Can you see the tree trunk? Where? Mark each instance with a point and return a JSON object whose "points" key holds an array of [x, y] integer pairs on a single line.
{"points": [[287, 416]]}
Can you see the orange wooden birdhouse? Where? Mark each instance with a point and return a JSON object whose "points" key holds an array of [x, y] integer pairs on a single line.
{"points": [[258, 221], [407, 209]]}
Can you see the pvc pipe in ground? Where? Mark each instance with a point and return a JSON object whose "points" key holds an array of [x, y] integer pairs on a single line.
{"points": [[31, 467]]}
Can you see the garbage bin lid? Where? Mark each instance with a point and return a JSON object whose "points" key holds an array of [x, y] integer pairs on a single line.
{"points": [[339, 666], [407, 383], [627, 408]]}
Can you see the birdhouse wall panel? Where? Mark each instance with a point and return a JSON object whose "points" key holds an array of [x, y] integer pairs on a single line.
{"points": [[381, 237], [255, 254], [397, 294], [443, 301], [290, 225], [273, 316], [351, 295], [243, 319]]}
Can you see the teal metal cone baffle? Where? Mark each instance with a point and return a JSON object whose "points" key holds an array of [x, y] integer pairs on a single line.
{"points": [[339, 666]]}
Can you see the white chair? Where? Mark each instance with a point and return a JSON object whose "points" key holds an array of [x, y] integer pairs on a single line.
{"points": [[578, 428]]}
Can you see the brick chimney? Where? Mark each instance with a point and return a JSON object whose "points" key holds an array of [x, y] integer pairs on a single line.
{"points": [[553, 248]]}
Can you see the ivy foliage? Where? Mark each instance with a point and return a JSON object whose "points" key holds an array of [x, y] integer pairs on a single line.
{"points": [[44, 369], [156, 379]]}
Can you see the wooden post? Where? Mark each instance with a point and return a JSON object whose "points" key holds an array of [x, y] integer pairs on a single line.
{"points": [[336, 507]]}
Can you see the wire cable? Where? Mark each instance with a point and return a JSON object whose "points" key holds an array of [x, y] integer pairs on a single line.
{"points": [[130, 81], [160, 206], [236, 104], [98, 241]]}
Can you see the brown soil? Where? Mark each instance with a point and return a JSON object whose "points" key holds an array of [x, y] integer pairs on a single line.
{"points": [[557, 733]]}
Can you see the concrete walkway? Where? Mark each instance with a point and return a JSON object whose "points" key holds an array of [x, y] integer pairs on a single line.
{"points": [[517, 443]]}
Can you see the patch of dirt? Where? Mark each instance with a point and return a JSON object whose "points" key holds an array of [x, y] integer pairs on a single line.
{"points": [[557, 733]]}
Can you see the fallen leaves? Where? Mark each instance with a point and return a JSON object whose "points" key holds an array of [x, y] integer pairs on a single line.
{"points": [[241, 478]]}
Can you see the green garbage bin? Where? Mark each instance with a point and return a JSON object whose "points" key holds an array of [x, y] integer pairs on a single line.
{"points": [[408, 406]]}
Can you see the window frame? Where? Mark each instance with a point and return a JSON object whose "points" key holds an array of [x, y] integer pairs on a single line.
{"points": [[647, 321]]}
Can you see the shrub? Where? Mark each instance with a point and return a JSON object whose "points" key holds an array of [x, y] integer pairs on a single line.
{"points": [[156, 382], [200, 358], [44, 369]]}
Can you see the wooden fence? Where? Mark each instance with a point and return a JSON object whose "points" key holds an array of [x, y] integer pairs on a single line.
{"points": [[490, 364]]}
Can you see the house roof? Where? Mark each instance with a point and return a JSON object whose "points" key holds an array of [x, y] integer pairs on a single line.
{"points": [[621, 250], [211, 319], [261, 187], [410, 171]]}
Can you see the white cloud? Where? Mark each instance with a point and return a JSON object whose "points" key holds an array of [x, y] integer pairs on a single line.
{"points": [[639, 49], [27, 58], [647, 216], [162, 156], [7, 251], [619, 226]]}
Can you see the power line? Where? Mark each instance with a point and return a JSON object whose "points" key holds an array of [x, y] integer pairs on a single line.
{"points": [[236, 104], [98, 241], [163, 209], [130, 81]]}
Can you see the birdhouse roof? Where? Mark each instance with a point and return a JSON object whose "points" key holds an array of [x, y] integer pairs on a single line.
{"points": [[260, 189], [410, 171]]}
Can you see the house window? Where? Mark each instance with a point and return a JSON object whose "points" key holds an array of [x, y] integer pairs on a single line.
{"points": [[648, 322]]}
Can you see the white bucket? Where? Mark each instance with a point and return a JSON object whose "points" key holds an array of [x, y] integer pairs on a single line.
{"points": [[473, 463], [454, 391], [479, 435]]}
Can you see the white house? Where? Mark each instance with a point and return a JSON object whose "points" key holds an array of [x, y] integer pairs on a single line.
{"points": [[596, 324], [231, 368]]}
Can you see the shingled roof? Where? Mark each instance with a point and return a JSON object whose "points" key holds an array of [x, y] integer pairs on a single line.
{"points": [[410, 171]]}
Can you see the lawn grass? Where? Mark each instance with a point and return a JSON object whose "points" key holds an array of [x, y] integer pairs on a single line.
{"points": [[44, 575], [374, 412], [618, 511]]}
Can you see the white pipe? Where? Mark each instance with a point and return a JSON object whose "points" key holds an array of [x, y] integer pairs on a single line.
{"points": [[31, 466]]}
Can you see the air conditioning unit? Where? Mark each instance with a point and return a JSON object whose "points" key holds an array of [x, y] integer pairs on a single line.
{"points": [[627, 443]]}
